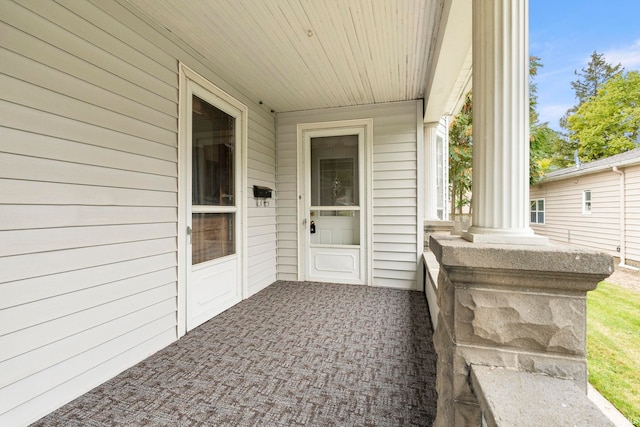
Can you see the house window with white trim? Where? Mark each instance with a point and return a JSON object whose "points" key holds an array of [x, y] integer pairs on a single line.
{"points": [[537, 211], [586, 202]]}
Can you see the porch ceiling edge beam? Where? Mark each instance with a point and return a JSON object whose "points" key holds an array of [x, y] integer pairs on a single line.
{"points": [[450, 79]]}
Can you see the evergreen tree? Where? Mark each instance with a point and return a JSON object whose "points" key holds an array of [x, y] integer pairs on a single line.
{"points": [[590, 80]]}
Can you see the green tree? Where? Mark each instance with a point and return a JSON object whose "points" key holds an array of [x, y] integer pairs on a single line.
{"points": [[540, 134], [460, 151], [590, 79], [562, 152], [608, 123], [541, 142]]}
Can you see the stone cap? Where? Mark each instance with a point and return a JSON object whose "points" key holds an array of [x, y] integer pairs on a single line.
{"points": [[453, 252], [522, 399], [438, 224]]}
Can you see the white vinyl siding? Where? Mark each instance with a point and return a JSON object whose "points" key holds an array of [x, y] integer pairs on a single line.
{"points": [[261, 220], [394, 189], [88, 198]]}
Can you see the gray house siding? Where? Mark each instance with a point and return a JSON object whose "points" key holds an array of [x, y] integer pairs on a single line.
{"points": [[566, 222], [88, 197], [395, 189]]}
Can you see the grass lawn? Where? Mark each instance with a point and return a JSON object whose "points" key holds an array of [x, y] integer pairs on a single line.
{"points": [[613, 347]]}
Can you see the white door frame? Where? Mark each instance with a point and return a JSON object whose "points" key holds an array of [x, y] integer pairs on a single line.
{"points": [[341, 127], [188, 75]]}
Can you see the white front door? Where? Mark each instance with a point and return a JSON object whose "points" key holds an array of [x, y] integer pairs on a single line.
{"points": [[212, 158], [334, 213]]}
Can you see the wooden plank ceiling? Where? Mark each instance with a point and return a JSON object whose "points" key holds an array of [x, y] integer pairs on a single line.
{"points": [[303, 54]]}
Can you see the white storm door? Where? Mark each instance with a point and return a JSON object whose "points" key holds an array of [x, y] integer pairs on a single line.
{"points": [[334, 212], [213, 217]]}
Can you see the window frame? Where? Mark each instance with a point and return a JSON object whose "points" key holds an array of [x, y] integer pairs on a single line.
{"points": [[587, 204], [537, 212]]}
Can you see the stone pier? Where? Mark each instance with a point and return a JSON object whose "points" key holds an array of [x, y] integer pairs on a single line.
{"points": [[520, 307]]}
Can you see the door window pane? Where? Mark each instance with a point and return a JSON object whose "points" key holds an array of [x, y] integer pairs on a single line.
{"points": [[335, 184], [334, 171], [212, 236], [213, 144], [213, 182]]}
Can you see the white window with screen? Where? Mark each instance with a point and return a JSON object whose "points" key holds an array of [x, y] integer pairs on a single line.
{"points": [[586, 202], [537, 211]]}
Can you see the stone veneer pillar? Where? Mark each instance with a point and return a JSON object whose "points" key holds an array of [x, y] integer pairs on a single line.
{"points": [[506, 297], [520, 307]]}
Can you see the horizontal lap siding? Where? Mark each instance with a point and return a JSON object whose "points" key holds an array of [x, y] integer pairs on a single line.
{"points": [[88, 204], [287, 179], [88, 198], [394, 189], [261, 227], [564, 220]]}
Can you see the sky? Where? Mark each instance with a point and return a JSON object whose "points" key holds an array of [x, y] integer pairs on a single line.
{"points": [[564, 34]]}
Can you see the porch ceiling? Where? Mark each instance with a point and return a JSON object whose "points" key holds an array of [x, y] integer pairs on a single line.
{"points": [[305, 54]]}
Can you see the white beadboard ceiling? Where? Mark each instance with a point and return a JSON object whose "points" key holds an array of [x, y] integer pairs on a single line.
{"points": [[303, 54]]}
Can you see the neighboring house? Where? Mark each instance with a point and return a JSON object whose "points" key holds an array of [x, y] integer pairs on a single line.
{"points": [[595, 205]]}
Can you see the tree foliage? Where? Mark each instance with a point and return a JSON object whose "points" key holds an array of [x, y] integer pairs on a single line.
{"points": [[541, 136], [608, 123], [541, 141], [460, 152], [590, 79]]}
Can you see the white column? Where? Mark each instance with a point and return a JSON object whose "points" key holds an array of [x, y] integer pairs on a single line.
{"points": [[500, 204], [431, 172]]}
